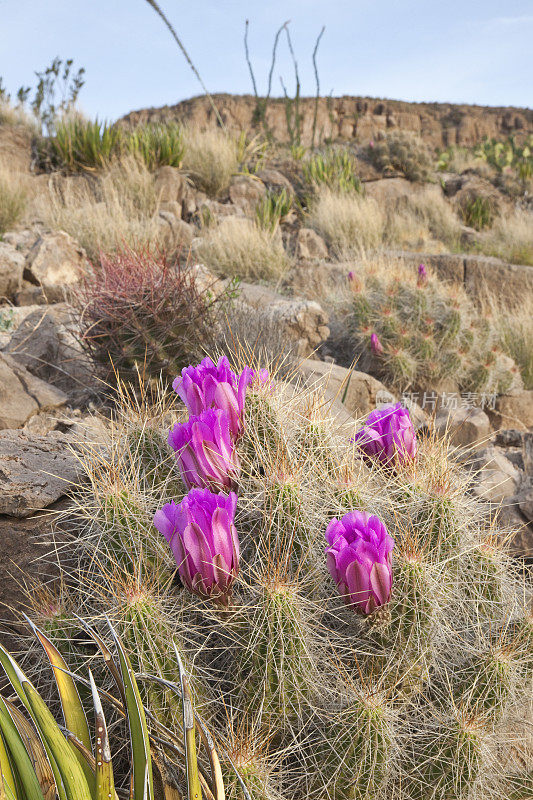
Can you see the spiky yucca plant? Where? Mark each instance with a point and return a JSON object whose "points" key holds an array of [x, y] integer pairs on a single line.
{"points": [[425, 699], [428, 331]]}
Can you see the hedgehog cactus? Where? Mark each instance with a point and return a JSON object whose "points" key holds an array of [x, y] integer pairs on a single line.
{"points": [[413, 330], [414, 697]]}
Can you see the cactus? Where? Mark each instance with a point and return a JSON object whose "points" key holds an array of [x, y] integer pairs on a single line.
{"points": [[428, 331], [412, 701]]}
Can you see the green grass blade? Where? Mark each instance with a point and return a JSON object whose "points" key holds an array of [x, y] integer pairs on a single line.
{"points": [[72, 774], [194, 790], [105, 784], [7, 779], [140, 743], [21, 759]]}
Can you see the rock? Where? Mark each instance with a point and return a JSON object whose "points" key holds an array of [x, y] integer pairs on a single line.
{"points": [[525, 502], [310, 245], [509, 438], [513, 410], [361, 392], [177, 233], [275, 181], [466, 427], [30, 295], [245, 192], [55, 263], [21, 240], [518, 534], [22, 394], [322, 283], [527, 453], [11, 271], [172, 206], [35, 471], [497, 478], [303, 321], [36, 344], [170, 185]]}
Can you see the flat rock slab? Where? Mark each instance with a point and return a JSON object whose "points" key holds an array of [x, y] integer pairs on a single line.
{"points": [[35, 471]]}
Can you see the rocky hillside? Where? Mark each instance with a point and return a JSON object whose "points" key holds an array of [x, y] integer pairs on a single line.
{"points": [[354, 118]]}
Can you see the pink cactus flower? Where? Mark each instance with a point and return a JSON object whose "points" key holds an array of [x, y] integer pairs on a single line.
{"points": [[376, 345], [388, 436], [359, 560], [422, 275], [205, 451], [203, 539]]}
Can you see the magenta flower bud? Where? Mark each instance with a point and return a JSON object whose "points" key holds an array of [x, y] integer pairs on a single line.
{"points": [[203, 539], [371, 144], [388, 435], [351, 275], [215, 386], [359, 560], [375, 344], [422, 274], [205, 451]]}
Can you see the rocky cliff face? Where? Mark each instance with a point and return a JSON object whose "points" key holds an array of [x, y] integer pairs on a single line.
{"points": [[353, 118]]}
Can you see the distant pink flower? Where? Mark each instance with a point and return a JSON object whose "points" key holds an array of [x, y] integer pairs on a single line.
{"points": [[376, 345], [371, 144], [351, 275], [422, 275]]}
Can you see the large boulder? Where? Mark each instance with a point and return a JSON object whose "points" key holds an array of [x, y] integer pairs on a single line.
{"points": [[310, 246], [513, 410], [11, 271], [55, 263], [359, 393], [496, 477], [22, 394], [465, 427], [35, 471], [245, 192], [304, 322]]}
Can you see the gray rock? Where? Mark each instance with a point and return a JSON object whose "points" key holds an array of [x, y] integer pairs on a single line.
{"points": [[22, 394], [275, 181], [527, 453], [245, 192], [176, 232], [509, 438], [11, 271], [55, 263], [35, 471], [497, 478], [513, 410], [360, 393], [310, 245], [170, 185], [466, 427]]}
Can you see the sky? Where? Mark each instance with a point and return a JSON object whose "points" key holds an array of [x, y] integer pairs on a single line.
{"points": [[457, 51]]}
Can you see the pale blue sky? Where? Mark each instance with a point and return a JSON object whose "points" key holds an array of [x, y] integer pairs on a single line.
{"points": [[458, 51]]}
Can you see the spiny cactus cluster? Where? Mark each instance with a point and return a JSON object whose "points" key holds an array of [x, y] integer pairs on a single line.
{"points": [[422, 693], [413, 330], [401, 152]]}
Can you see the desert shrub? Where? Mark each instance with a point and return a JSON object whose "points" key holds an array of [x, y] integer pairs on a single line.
{"points": [[81, 144], [310, 697], [239, 247], [273, 208], [429, 331], [422, 216], [211, 158], [13, 199], [349, 223], [511, 237], [463, 159], [335, 169], [515, 331], [117, 207], [401, 152], [139, 315], [157, 145], [477, 212]]}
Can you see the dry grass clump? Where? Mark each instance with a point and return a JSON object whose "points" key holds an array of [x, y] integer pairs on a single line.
{"points": [[17, 115], [511, 237], [117, 207], [420, 217], [13, 198], [350, 223], [211, 158], [515, 330], [239, 247]]}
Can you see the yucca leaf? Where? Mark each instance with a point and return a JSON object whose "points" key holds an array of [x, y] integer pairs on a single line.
{"points": [[143, 783], [16, 677], [35, 749], [74, 780], [214, 761], [105, 784], [21, 759], [73, 712], [194, 790], [108, 659], [7, 779]]}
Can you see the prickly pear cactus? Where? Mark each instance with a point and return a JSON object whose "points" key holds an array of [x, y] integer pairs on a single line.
{"points": [[425, 697]]}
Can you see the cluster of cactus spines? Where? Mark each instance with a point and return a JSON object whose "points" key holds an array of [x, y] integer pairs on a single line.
{"points": [[415, 333], [413, 701]]}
